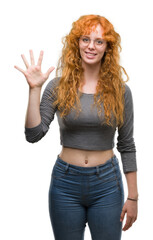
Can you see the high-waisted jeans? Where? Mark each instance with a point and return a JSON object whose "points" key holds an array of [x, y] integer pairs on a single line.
{"points": [[80, 195]]}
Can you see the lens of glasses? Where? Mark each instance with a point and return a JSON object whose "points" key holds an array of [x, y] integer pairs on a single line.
{"points": [[85, 41]]}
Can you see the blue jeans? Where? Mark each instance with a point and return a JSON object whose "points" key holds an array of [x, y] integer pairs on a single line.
{"points": [[79, 195]]}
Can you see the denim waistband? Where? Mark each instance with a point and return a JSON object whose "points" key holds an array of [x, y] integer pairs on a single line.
{"points": [[86, 170]]}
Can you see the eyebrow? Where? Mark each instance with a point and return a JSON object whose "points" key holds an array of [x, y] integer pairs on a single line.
{"points": [[89, 37]]}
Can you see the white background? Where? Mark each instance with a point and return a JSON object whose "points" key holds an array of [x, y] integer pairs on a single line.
{"points": [[25, 168]]}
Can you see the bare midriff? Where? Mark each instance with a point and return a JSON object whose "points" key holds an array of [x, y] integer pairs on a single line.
{"points": [[85, 158]]}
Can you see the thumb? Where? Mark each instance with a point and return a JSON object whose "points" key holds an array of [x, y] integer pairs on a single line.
{"points": [[49, 71], [122, 215]]}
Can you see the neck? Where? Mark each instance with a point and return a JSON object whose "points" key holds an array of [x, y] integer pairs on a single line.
{"points": [[91, 72]]}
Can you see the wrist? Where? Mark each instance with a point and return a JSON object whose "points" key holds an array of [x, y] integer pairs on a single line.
{"points": [[133, 197], [35, 89]]}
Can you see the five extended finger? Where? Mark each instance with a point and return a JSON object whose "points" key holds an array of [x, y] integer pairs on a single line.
{"points": [[32, 62], [32, 57], [40, 58], [20, 69], [25, 60]]}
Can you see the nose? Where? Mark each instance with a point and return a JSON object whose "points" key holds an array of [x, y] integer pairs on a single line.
{"points": [[91, 44]]}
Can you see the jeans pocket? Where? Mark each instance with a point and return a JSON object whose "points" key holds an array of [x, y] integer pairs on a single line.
{"points": [[58, 172], [107, 175]]}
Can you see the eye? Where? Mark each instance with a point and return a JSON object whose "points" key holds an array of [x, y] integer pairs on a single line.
{"points": [[85, 39], [99, 42]]}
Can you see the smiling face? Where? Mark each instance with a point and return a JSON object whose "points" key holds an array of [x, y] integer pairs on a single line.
{"points": [[92, 47]]}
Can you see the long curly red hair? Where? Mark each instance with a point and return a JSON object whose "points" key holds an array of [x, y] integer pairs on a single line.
{"points": [[110, 87]]}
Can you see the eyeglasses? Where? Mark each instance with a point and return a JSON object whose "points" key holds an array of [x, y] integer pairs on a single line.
{"points": [[86, 40]]}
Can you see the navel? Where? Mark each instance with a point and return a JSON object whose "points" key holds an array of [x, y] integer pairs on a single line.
{"points": [[86, 161]]}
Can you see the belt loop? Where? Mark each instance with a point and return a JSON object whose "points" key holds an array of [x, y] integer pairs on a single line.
{"points": [[113, 162], [97, 170], [66, 167]]}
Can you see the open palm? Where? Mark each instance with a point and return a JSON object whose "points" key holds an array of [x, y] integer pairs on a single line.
{"points": [[33, 74]]}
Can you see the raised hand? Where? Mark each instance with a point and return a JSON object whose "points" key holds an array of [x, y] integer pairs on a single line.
{"points": [[33, 74]]}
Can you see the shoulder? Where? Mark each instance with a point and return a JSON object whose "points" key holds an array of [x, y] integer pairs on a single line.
{"points": [[128, 92], [127, 89], [128, 95], [49, 88], [53, 83]]}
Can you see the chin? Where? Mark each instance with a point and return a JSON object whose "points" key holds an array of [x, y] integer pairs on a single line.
{"points": [[91, 62]]}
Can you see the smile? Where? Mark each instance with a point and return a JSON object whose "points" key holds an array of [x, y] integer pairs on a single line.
{"points": [[91, 54]]}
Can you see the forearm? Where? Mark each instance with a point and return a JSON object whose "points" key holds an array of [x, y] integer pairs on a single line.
{"points": [[131, 178], [33, 117]]}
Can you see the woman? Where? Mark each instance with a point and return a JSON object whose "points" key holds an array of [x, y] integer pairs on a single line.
{"points": [[86, 183]]}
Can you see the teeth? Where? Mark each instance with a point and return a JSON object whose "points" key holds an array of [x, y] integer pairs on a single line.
{"points": [[92, 54]]}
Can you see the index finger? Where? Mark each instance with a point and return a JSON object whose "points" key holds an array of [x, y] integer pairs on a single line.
{"points": [[40, 58], [128, 223]]}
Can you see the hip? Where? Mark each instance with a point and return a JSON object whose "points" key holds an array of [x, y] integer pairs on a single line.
{"points": [[88, 184]]}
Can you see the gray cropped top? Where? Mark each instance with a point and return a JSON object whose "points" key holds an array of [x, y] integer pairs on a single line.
{"points": [[85, 131]]}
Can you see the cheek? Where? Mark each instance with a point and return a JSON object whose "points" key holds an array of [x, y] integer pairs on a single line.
{"points": [[101, 54], [81, 52], [80, 49]]}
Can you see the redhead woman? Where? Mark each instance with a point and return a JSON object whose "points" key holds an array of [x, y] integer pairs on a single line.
{"points": [[92, 102]]}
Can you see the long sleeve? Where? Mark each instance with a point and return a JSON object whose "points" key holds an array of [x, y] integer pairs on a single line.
{"points": [[47, 112], [126, 144]]}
